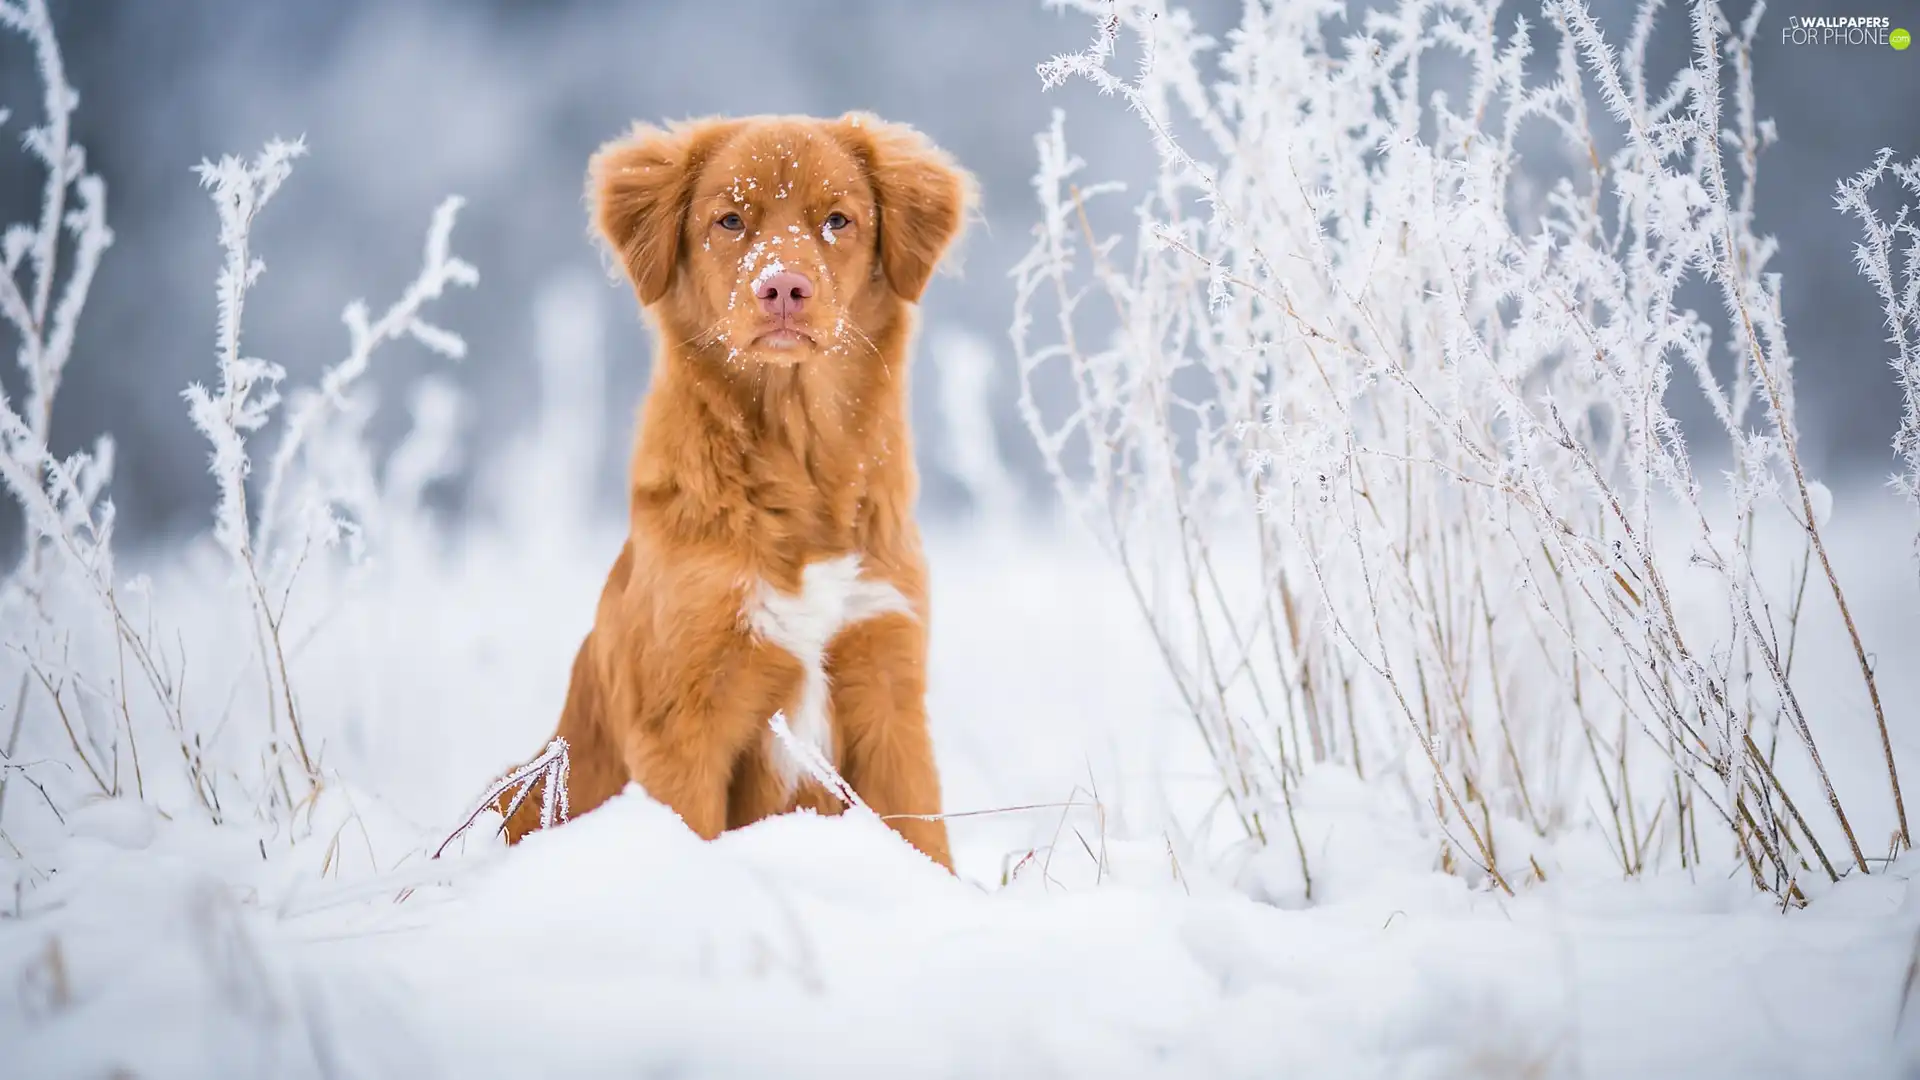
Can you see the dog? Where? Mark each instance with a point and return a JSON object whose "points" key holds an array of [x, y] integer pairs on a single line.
{"points": [[772, 563]]}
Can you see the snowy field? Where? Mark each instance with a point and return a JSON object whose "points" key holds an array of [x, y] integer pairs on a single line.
{"points": [[1563, 660], [621, 945]]}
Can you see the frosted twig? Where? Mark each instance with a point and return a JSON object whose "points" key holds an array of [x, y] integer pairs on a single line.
{"points": [[549, 770], [1445, 365], [439, 269], [811, 760]]}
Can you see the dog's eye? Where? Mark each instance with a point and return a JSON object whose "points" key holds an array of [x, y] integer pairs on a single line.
{"points": [[837, 221], [732, 223]]}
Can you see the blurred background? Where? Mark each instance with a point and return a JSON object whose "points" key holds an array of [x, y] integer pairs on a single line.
{"points": [[405, 101]]}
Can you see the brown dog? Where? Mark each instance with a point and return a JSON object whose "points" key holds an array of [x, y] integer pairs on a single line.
{"points": [[772, 563]]}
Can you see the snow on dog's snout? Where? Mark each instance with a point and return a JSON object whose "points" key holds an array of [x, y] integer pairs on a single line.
{"points": [[832, 597]]}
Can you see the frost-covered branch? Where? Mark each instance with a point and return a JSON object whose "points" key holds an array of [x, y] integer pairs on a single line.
{"points": [[248, 393], [89, 640], [549, 770], [43, 311], [62, 500], [248, 388], [1889, 258], [813, 762], [244, 401], [403, 318], [1443, 347]]}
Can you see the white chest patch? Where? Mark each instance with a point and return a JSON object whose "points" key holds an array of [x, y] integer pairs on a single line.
{"points": [[832, 597]]}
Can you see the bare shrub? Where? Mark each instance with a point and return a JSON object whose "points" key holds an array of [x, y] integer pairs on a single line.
{"points": [[94, 662], [1438, 328]]}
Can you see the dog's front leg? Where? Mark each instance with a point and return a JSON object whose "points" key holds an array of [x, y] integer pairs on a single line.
{"points": [[687, 745], [878, 673], [685, 766]]}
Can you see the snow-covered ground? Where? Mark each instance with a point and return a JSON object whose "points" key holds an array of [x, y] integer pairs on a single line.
{"points": [[1105, 938], [1105, 920]]}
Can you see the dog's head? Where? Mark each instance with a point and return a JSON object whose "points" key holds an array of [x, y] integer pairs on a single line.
{"points": [[777, 240]]}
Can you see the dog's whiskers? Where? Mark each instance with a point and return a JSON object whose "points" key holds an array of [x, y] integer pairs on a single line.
{"points": [[711, 335], [855, 331]]}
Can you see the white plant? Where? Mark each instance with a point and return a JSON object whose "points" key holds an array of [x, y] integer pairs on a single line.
{"points": [[806, 752], [101, 659], [321, 453], [44, 310], [1443, 343], [41, 297], [1894, 271], [549, 770]]}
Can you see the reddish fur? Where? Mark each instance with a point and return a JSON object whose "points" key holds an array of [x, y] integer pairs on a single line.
{"points": [[752, 462]]}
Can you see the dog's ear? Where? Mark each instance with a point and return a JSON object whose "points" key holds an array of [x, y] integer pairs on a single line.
{"points": [[640, 187], [922, 197]]}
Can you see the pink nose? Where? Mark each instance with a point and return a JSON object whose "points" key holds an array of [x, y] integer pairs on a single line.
{"points": [[784, 294]]}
